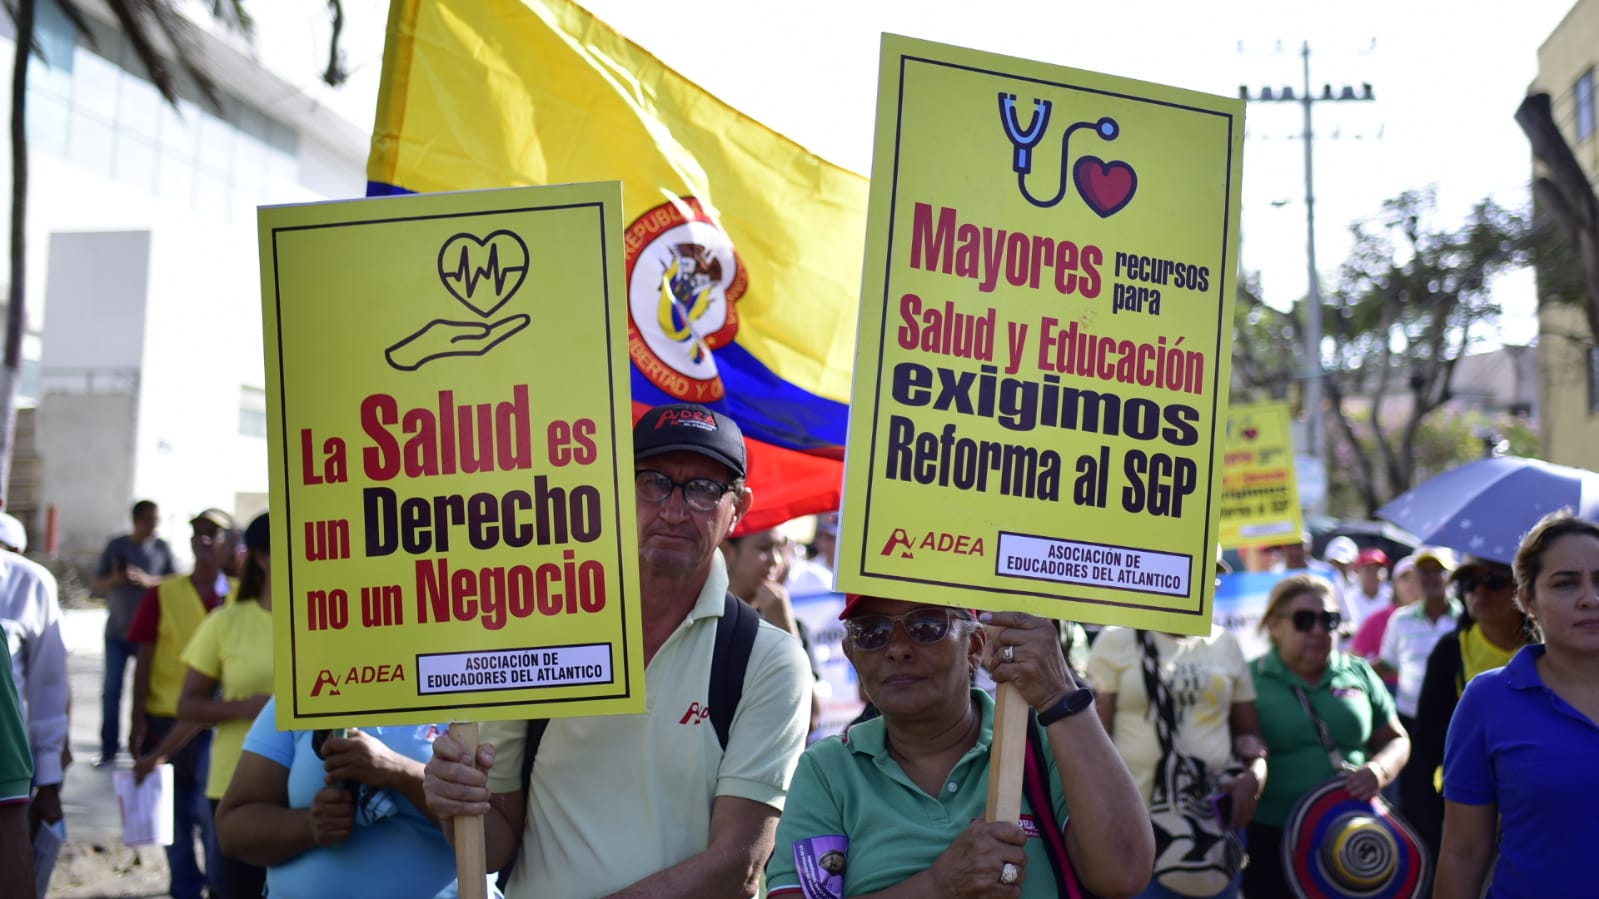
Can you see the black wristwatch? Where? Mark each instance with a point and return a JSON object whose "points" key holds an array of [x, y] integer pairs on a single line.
{"points": [[1075, 702]]}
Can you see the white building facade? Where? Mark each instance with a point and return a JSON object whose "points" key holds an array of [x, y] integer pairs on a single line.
{"points": [[143, 287]]}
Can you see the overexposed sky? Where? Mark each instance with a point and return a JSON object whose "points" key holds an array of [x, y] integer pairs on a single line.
{"points": [[1447, 77]]}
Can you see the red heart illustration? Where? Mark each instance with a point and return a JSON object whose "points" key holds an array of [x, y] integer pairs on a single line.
{"points": [[1105, 186], [1251, 433]]}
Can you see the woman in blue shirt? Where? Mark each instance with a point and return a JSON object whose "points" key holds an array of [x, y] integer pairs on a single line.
{"points": [[1519, 759], [340, 816]]}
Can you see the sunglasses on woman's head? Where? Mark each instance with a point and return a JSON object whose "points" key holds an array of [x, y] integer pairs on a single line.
{"points": [[872, 632], [1305, 619]]}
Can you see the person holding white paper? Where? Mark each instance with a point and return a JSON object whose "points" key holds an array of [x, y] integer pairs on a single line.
{"points": [[229, 679]]}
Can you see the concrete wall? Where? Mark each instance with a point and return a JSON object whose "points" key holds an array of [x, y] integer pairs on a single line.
{"points": [[1569, 429], [96, 296], [87, 442], [1499, 379], [147, 298]]}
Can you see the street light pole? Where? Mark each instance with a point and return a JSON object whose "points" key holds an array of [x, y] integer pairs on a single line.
{"points": [[1314, 442], [1313, 416]]}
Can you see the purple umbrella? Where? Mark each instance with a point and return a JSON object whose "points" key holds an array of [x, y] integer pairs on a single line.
{"points": [[1485, 507]]}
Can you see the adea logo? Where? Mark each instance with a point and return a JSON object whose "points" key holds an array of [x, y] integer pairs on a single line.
{"points": [[325, 679], [686, 418], [358, 674], [683, 279], [695, 714], [902, 542]]}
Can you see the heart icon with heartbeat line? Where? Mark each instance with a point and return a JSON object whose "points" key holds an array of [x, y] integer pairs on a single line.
{"points": [[483, 272], [1105, 186]]}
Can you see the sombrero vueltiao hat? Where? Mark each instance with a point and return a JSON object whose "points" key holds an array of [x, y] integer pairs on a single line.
{"points": [[1338, 847]]}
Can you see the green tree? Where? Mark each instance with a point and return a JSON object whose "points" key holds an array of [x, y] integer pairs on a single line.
{"points": [[1565, 197], [167, 46], [1414, 297], [1268, 349], [1449, 438]]}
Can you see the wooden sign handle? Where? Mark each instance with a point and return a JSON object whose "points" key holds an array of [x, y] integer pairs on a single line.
{"points": [[470, 866], [1007, 757]]}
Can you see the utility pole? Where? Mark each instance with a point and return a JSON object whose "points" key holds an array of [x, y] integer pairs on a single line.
{"points": [[1315, 445]]}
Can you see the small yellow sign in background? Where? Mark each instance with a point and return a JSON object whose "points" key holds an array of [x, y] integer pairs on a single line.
{"points": [[1259, 500]]}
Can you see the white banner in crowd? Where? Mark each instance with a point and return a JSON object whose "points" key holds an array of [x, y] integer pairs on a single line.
{"points": [[839, 690], [1241, 603]]}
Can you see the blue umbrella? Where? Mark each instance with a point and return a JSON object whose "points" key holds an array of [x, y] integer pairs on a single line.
{"points": [[1485, 507]]}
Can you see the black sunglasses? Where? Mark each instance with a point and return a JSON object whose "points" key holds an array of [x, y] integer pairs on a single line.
{"points": [[872, 632], [1305, 619], [701, 494], [1494, 581]]}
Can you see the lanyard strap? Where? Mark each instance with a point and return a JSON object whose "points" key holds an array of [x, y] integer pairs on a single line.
{"points": [[1333, 755], [1159, 694]]}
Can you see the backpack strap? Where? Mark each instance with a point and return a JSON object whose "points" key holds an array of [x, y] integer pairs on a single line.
{"points": [[1159, 694], [735, 638], [530, 748], [1035, 788], [730, 659]]}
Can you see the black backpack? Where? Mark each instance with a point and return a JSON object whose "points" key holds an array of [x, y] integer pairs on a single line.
{"points": [[730, 659]]}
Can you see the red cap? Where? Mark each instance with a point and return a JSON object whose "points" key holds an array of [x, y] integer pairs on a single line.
{"points": [[1371, 556], [851, 600]]}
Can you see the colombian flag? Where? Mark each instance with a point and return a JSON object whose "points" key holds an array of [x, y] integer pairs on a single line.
{"points": [[743, 249]]}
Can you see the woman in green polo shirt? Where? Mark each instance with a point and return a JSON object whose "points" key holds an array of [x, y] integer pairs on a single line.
{"points": [[895, 807], [1347, 695]]}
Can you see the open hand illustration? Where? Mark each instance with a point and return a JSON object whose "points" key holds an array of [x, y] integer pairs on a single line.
{"points": [[440, 338]]}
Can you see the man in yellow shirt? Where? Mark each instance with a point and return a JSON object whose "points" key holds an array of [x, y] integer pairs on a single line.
{"points": [[166, 619]]}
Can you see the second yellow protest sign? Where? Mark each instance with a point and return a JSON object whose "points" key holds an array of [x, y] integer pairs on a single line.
{"points": [[449, 429], [1044, 340], [1259, 500]]}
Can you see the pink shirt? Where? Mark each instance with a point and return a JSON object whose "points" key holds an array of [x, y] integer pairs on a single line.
{"points": [[1368, 640]]}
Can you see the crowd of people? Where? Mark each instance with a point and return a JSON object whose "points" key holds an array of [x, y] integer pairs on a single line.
{"points": [[1462, 689]]}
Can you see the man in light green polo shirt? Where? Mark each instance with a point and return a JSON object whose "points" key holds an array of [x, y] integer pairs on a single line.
{"points": [[652, 804]]}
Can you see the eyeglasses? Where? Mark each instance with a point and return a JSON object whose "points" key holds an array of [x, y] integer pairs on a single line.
{"points": [[1494, 581], [872, 632], [701, 494], [1305, 620]]}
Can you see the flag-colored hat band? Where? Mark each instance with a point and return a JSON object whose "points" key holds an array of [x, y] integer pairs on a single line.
{"points": [[1336, 846]]}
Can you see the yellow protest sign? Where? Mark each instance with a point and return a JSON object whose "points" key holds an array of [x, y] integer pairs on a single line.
{"points": [[448, 426], [1259, 500], [1045, 335]]}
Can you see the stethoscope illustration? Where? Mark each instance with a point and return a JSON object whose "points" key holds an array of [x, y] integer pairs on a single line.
{"points": [[1025, 140]]}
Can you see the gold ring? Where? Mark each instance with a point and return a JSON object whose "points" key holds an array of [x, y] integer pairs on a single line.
{"points": [[1009, 655], [1010, 873]]}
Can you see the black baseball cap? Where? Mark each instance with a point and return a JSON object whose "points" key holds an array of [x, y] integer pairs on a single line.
{"points": [[689, 428], [258, 536]]}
